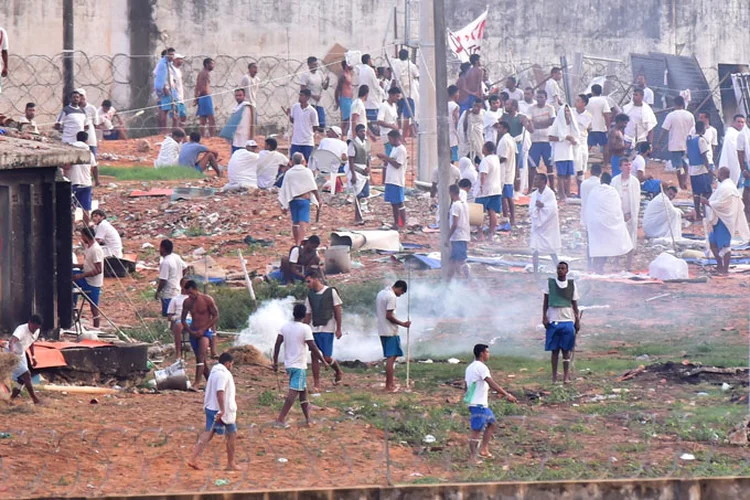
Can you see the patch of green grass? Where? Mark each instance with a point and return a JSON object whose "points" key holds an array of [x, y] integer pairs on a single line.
{"points": [[144, 173], [235, 305], [267, 398], [156, 331]]}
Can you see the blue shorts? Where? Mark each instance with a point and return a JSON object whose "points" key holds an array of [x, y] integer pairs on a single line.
{"points": [[508, 191], [494, 203], [405, 111], [459, 250], [481, 417], [541, 151], [597, 139], [181, 110], [194, 341], [393, 194], [615, 162], [365, 193], [93, 150], [219, 427], [720, 236], [305, 150], [297, 379], [111, 135], [321, 116], [300, 210], [92, 292], [372, 115], [560, 335], [165, 102], [701, 184], [565, 167], [205, 106], [391, 346], [324, 341], [454, 153], [677, 158], [165, 306], [83, 196], [345, 103], [467, 104]]}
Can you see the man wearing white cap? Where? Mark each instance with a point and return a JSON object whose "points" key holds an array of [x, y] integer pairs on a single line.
{"points": [[242, 170], [332, 142]]}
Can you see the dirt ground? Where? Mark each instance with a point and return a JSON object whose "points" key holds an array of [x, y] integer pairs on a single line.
{"points": [[137, 442]]}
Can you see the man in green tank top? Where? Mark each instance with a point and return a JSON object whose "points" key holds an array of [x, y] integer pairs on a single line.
{"points": [[561, 319]]}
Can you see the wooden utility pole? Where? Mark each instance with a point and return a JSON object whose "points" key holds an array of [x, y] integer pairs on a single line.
{"points": [[443, 130], [68, 74]]}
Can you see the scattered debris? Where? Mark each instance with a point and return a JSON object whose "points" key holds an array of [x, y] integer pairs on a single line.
{"points": [[8, 362], [282, 460], [631, 373], [738, 436], [687, 457], [453, 361], [222, 482], [429, 439]]}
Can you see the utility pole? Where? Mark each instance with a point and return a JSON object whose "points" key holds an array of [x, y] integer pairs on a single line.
{"points": [[427, 134], [68, 76], [443, 130]]}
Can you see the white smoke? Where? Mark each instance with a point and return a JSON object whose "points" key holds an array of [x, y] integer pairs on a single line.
{"points": [[447, 319]]}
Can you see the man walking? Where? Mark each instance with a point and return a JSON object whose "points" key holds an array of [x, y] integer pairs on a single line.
{"points": [[204, 100], [561, 319], [385, 306], [298, 191], [204, 316], [220, 407], [23, 339], [677, 125], [395, 178], [478, 382], [323, 306], [304, 120]]}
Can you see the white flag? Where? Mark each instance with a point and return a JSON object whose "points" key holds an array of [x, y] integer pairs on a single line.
{"points": [[468, 41]]}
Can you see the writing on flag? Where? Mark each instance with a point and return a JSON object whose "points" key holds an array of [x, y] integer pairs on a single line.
{"points": [[468, 40]]}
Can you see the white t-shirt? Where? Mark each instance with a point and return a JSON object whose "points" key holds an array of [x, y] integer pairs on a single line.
{"points": [[329, 327], [73, 120], [514, 94], [335, 146], [562, 314], [493, 184], [553, 90], [387, 113], [679, 123], [25, 338], [477, 373], [597, 106], [544, 113], [452, 107], [220, 379], [80, 175], [296, 334], [463, 229], [358, 108], [454, 175], [92, 120], [303, 128], [584, 124], [703, 147], [490, 119], [268, 167], [110, 238], [638, 165], [525, 107], [384, 302], [251, 85], [91, 256], [313, 82], [106, 117], [171, 269], [648, 96], [242, 133], [393, 175], [169, 153], [174, 310], [506, 148], [563, 150], [407, 75]]}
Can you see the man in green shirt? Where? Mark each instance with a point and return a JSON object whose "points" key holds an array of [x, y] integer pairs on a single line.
{"points": [[561, 319]]}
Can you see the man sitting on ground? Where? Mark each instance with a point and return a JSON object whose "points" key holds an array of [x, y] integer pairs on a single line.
{"points": [[169, 152], [196, 155], [271, 165], [106, 235], [242, 170], [113, 128], [301, 259]]}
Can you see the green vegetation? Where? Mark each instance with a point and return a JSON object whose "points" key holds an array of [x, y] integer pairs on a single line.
{"points": [[146, 173]]}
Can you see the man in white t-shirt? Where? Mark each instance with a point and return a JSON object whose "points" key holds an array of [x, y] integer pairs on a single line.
{"points": [[92, 121], [72, 119], [512, 90], [242, 116], [385, 310], [561, 319], [333, 143], [490, 186], [324, 314], [396, 164], [583, 118], [106, 235], [678, 125], [271, 165], [478, 382], [648, 94], [388, 116], [313, 81], [242, 170], [23, 339], [711, 135], [506, 153], [555, 95], [251, 83], [642, 121], [171, 270], [169, 151], [174, 313], [492, 117], [601, 116], [91, 279], [460, 233], [220, 407], [638, 166], [297, 338], [406, 74], [359, 115], [80, 176], [367, 76], [304, 120]]}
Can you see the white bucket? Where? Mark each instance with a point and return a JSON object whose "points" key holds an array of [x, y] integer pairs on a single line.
{"points": [[172, 378], [338, 260]]}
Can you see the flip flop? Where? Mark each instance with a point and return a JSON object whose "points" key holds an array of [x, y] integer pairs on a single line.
{"points": [[486, 456], [279, 425]]}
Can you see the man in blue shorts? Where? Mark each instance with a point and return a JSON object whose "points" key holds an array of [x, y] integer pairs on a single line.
{"points": [[700, 169], [324, 314], [165, 94], [561, 319], [460, 234], [396, 164], [204, 317], [91, 279], [220, 407], [478, 382], [203, 99], [297, 338], [542, 117], [385, 305], [297, 188]]}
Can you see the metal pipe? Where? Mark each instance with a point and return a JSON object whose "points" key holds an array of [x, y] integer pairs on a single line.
{"points": [[68, 49]]}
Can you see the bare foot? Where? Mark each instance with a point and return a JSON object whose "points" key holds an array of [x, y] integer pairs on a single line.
{"points": [[337, 379], [393, 389], [316, 390], [232, 467], [194, 466]]}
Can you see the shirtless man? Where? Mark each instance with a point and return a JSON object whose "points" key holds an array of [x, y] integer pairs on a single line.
{"points": [[202, 309], [344, 97], [615, 148], [203, 99], [300, 260]]}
